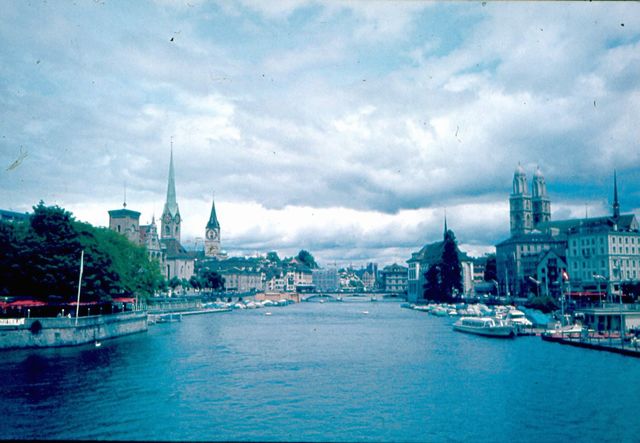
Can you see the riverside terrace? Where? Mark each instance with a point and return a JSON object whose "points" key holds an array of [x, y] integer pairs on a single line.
{"points": [[25, 307]]}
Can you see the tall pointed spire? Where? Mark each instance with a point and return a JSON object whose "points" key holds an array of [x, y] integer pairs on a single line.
{"points": [[171, 204], [616, 203], [213, 218], [445, 223]]}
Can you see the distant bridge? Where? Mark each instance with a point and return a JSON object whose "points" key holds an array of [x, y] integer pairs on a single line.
{"points": [[339, 296]]}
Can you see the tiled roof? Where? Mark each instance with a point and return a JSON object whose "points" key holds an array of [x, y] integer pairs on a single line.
{"points": [[432, 253], [626, 222], [534, 237], [174, 249], [394, 268]]}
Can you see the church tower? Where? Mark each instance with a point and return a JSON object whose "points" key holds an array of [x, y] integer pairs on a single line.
{"points": [[212, 234], [171, 214], [520, 204], [540, 199]]}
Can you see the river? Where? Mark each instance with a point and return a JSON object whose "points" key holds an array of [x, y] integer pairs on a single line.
{"points": [[350, 371]]}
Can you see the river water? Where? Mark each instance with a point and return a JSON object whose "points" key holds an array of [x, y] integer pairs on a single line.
{"points": [[319, 372]]}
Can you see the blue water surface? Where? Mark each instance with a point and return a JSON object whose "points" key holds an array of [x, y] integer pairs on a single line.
{"points": [[351, 371]]}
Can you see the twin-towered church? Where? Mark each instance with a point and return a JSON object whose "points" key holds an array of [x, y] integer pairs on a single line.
{"points": [[174, 259]]}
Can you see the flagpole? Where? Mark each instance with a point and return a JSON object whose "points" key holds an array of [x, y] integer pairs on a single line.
{"points": [[79, 285]]}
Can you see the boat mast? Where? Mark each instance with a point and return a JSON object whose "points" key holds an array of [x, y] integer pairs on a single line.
{"points": [[79, 285]]}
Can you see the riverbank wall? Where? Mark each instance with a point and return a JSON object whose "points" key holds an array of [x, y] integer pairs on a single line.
{"points": [[17, 333], [615, 346]]}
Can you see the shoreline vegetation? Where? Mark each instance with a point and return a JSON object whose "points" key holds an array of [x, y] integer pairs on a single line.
{"points": [[41, 259]]}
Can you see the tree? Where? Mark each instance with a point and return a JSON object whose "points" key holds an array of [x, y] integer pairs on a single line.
{"points": [[42, 259], [211, 279], [307, 259], [451, 269], [195, 282], [490, 269], [273, 258], [544, 303], [433, 284], [174, 282], [444, 278]]}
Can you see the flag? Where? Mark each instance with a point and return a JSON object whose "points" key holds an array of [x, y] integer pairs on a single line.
{"points": [[565, 276]]}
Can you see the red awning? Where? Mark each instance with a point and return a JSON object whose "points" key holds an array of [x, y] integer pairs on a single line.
{"points": [[25, 303], [124, 300]]}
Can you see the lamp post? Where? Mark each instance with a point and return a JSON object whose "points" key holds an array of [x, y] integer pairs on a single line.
{"points": [[620, 299], [599, 278], [538, 283]]}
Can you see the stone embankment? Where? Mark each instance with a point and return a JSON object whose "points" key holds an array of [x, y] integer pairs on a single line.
{"points": [[18, 333]]}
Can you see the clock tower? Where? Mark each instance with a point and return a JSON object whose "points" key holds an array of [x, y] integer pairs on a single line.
{"points": [[170, 222], [212, 234]]}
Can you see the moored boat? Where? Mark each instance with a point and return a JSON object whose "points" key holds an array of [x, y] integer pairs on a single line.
{"points": [[486, 326]]}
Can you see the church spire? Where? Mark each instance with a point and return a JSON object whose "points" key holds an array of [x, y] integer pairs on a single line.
{"points": [[171, 204], [213, 218], [616, 203], [445, 223]]}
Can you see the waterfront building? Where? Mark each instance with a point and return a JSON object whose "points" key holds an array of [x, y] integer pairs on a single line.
{"points": [[326, 280], [517, 259], [551, 265], [598, 253], [240, 274], [298, 277], [420, 262], [603, 252], [242, 280], [610, 316], [479, 266], [394, 278], [368, 275]]}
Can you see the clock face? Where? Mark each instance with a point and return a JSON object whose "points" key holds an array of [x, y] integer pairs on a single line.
{"points": [[212, 234], [167, 218], [177, 218]]}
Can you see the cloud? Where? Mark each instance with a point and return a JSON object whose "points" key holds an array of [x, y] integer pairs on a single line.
{"points": [[373, 117]]}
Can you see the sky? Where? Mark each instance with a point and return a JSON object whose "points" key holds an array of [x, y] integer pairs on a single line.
{"points": [[346, 128]]}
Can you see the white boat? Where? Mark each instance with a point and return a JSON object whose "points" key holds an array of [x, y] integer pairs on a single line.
{"points": [[487, 326], [565, 330], [440, 312], [519, 321]]}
